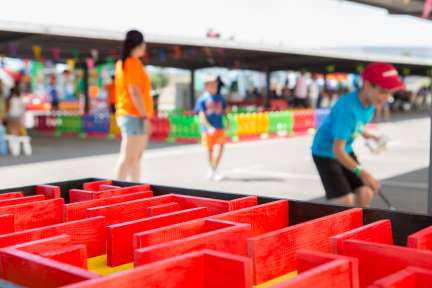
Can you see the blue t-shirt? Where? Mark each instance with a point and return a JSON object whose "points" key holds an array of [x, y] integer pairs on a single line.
{"points": [[347, 120], [213, 107], [53, 94]]}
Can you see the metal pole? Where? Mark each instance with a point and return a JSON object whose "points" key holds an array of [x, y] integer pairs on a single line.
{"points": [[192, 89], [86, 90], [267, 95]]}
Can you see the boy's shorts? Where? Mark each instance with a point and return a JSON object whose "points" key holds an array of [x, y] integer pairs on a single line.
{"points": [[211, 139], [337, 180]]}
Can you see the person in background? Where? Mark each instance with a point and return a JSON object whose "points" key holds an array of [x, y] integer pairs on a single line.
{"points": [[111, 93], [15, 112], [301, 92], [287, 93], [134, 106], [314, 91], [212, 109], [53, 93], [274, 95], [220, 85], [337, 164]]}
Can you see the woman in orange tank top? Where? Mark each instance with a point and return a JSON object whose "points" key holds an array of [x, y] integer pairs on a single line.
{"points": [[134, 106]]}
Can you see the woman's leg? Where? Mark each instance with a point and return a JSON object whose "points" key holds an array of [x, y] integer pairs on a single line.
{"points": [[135, 172], [129, 156]]}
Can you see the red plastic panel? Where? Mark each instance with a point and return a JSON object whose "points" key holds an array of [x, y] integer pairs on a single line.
{"points": [[274, 253], [90, 232], [214, 206], [77, 195], [193, 270], [35, 271], [75, 255], [377, 261], [421, 240], [243, 202], [262, 218], [45, 244], [330, 275], [76, 211], [35, 214], [95, 185], [105, 187], [11, 195], [377, 232], [219, 236], [7, 223], [162, 209], [411, 277], [127, 211], [21, 200], [120, 236], [50, 192]]}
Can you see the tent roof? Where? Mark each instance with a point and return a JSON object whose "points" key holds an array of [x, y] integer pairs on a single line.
{"points": [[194, 55]]}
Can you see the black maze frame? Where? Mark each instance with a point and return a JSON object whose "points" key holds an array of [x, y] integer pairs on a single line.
{"points": [[403, 224]]}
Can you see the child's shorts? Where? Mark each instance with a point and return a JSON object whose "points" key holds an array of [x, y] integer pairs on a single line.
{"points": [[211, 139]]}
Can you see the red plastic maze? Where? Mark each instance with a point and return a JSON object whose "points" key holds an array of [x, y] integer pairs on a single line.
{"points": [[111, 234]]}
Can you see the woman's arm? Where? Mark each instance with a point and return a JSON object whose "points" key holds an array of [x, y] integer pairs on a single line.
{"points": [[135, 93]]}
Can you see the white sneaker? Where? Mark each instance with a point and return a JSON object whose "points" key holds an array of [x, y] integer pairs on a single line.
{"points": [[210, 173], [217, 177]]}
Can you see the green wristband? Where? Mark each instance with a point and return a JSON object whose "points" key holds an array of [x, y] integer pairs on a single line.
{"points": [[357, 170]]}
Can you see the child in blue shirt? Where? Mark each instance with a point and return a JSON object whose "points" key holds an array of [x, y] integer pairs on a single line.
{"points": [[211, 108], [332, 151]]}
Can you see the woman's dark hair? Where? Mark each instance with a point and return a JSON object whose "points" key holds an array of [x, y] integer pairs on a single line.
{"points": [[133, 39]]}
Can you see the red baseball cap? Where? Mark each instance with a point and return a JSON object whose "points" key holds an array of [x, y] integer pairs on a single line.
{"points": [[384, 75]]}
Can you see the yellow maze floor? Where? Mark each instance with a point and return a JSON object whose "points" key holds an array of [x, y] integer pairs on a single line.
{"points": [[99, 266]]}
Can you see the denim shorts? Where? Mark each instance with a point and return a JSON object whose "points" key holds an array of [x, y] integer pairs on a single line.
{"points": [[131, 126]]}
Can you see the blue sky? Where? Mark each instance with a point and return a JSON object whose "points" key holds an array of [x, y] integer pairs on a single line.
{"points": [[300, 23]]}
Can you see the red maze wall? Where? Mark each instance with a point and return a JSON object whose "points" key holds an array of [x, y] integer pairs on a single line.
{"points": [[186, 241]]}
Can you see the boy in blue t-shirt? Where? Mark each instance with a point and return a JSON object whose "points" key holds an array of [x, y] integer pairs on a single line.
{"points": [[211, 108], [332, 151]]}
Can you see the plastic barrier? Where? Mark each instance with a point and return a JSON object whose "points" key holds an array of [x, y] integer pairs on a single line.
{"points": [[68, 124], [231, 126], [180, 127], [160, 128], [45, 123], [96, 124], [281, 123], [304, 120], [183, 127]]}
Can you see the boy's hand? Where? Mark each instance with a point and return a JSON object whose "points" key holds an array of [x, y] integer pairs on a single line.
{"points": [[211, 130], [370, 180]]}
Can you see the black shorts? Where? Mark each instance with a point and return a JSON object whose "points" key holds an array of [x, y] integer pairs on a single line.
{"points": [[337, 180]]}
